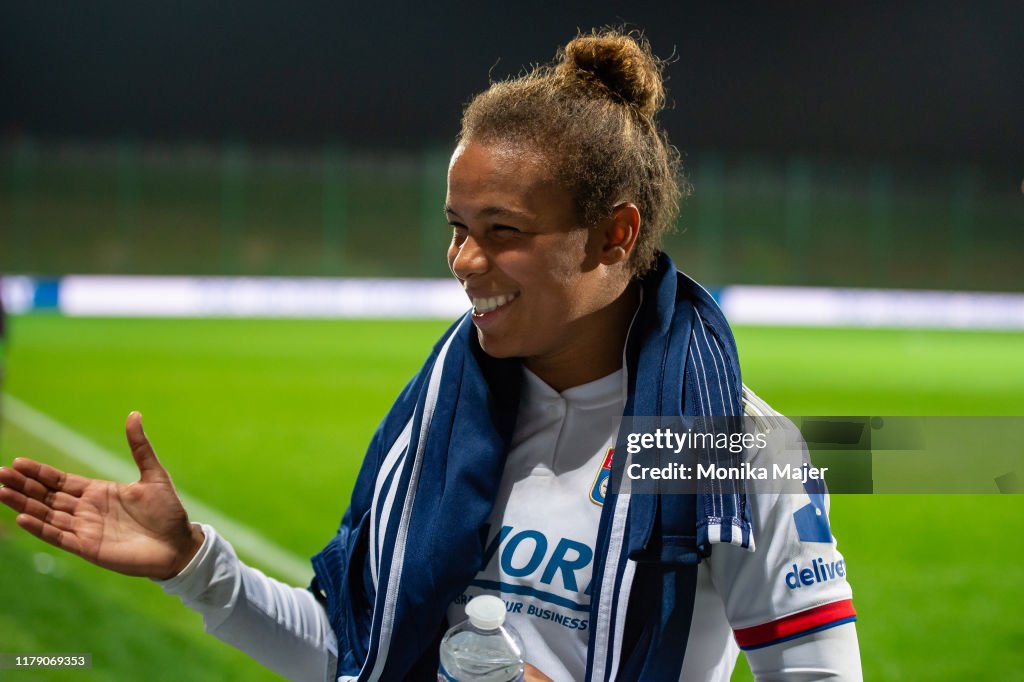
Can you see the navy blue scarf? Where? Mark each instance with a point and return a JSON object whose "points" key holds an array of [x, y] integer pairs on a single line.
{"points": [[413, 536]]}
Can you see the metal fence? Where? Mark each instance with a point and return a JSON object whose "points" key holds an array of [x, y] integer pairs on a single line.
{"points": [[238, 210]]}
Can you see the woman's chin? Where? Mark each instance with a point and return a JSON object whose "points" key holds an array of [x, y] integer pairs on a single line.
{"points": [[497, 347]]}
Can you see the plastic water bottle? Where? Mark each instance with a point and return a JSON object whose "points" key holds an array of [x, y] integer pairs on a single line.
{"points": [[482, 648]]}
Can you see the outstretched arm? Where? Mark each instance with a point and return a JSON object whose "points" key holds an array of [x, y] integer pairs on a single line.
{"points": [[142, 529], [138, 529], [282, 627]]}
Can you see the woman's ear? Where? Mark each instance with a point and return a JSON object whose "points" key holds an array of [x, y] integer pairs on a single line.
{"points": [[620, 234]]}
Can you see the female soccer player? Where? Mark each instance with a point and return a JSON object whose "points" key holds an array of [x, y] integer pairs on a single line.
{"points": [[489, 474]]}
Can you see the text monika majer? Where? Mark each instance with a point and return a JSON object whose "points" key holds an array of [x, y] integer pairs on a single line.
{"points": [[743, 472]]}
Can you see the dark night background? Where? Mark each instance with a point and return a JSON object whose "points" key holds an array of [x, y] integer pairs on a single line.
{"points": [[922, 80]]}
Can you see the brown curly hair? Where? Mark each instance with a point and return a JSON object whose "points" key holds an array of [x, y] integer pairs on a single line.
{"points": [[592, 113]]}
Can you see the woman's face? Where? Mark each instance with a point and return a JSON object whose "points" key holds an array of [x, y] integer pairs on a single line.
{"points": [[535, 277]]}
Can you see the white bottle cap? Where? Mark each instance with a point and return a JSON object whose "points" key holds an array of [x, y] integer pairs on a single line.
{"points": [[486, 612]]}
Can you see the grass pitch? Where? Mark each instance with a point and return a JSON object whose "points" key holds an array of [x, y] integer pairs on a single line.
{"points": [[267, 421]]}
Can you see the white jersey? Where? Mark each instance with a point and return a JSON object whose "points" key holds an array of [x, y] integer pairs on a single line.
{"points": [[543, 528], [787, 603]]}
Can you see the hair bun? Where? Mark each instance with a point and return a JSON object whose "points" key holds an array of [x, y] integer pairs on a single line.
{"points": [[621, 63]]}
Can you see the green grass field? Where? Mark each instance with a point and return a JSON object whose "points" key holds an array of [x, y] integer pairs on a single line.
{"points": [[266, 421]]}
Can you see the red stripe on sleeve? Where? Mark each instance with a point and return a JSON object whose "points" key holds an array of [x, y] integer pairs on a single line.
{"points": [[783, 628]]}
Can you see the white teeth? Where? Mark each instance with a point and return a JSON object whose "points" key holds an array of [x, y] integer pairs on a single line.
{"points": [[491, 303]]}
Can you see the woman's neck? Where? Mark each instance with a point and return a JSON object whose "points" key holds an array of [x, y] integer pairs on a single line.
{"points": [[596, 348]]}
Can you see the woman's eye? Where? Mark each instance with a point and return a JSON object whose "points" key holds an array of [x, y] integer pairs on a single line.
{"points": [[505, 228]]}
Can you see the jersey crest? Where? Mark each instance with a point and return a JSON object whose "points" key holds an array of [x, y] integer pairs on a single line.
{"points": [[600, 487]]}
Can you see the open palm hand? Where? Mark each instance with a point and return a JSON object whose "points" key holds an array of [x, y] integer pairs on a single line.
{"points": [[138, 528]]}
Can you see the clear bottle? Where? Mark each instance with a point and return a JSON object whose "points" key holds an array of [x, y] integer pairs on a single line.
{"points": [[482, 648]]}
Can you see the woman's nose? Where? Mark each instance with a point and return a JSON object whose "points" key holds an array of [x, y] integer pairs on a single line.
{"points": [[467, 259]]}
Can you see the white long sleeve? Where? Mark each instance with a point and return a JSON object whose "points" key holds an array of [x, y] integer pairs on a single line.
{"points": [[831, 655], [282, 627]]}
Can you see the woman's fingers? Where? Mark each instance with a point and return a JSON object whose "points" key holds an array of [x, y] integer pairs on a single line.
{"points": [[49, 476], [150, 469], [60, 518], [11, 497], [28, 496], [49, 533], [531, 674], [62, 502], [57, 512], [27, 486]]}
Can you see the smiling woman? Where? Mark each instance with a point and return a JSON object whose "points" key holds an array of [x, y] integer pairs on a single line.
{"points": [[492, 473], [559, 193], [543, 286]]}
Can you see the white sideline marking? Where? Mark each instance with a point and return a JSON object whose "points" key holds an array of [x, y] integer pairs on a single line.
{"points": [[283, 563]]}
